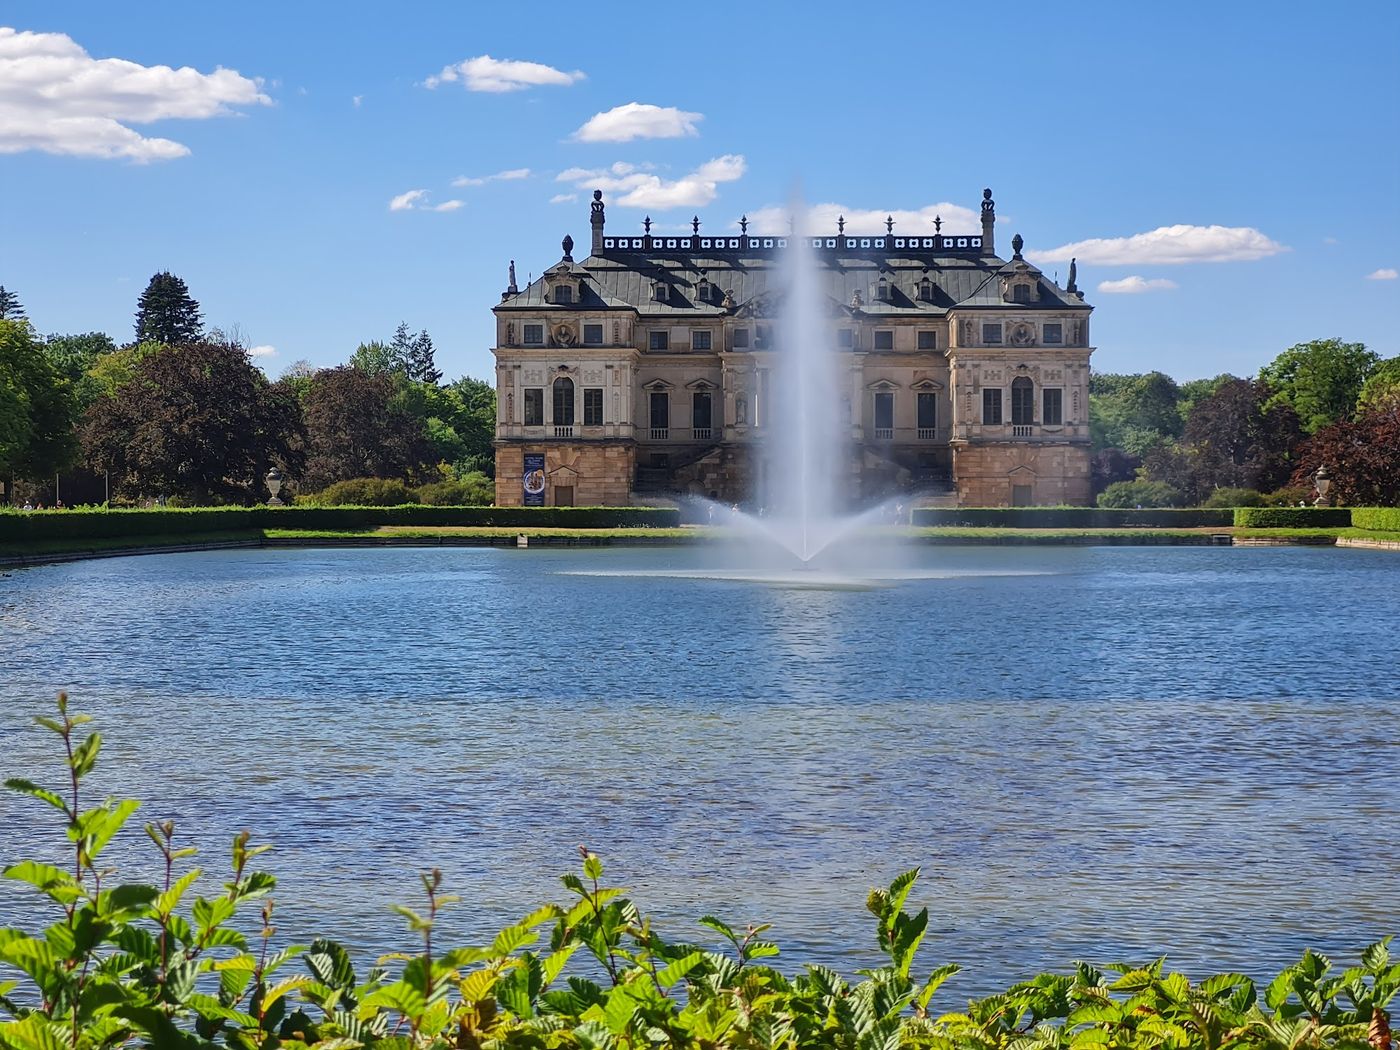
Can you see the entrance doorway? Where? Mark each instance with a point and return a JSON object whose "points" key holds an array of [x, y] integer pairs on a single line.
{"points": [[1022, 495], [563, 495]]}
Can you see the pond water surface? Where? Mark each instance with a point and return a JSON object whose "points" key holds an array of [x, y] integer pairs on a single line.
{"points": [[1101, 753]]}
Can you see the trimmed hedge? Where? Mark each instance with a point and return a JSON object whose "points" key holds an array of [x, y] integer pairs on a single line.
{"points": [[1292, 517], [1378, 519], [1072, 518], [21, 526]]}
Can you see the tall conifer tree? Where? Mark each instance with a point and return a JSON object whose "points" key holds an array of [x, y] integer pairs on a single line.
{"points": [[167, 313], [10, 308]]}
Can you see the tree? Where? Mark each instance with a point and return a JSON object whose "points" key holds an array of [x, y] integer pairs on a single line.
{"points": [[197, 420], [1112, 465], [1363, 457], [1321, 380], [356, 428], [1236, 438], [10, 308], [37, 409], [375, 358], [1134, 413], [74, 357], [166, 313], [415, 352], [1382, 386]]}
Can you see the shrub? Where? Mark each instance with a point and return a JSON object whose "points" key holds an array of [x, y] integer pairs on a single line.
{"points": [[470, 490], [1227, 497], [1290, 496], [363, 492], [1378, 519], [1292, 517], [139, 965], [1073, 518], [1123, 494]]}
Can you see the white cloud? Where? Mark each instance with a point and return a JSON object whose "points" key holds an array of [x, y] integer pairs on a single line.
{"points": [[262, 351], [1387, 274], [642, 189], [822, 218], [57, 98], [1330, 240], [447, 206], [355, 100], [407, 201], [501, 176], [1136, 285], [1169, 245], [638, 120], [563, 198], [485, 73]]}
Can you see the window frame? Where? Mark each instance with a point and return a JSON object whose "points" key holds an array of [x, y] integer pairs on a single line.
{"points": [[526, 329], [587, 329], [564, 395], [886, 335], [563, 295], [992, 333], [930, 399], [697, 398], [886, 398], [659, 339], [1057, 417], [1059, 336], [538, 399], [592, 418], [741, 339], [991, 406], [701, 335], [1022, 402], [928, 339], [662, 398]]}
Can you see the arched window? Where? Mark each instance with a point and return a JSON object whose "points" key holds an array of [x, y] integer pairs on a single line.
{"points": [[1022, 402], [563, 402]]}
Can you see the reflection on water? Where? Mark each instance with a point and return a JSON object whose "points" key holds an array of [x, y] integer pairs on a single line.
{"points": [[1100, 752]]}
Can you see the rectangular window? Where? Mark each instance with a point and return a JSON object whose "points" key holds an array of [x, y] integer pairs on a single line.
{"points": [[534, 406], [563, 403], [700, 410], [928, 410], [534, 334], [884, 340], [660, 410], [991, 334], [1021, 293], [700, 339], [593, 406], [884, 410], [1052, 406], [1054, 333], [928, 340], [760, 337], [991, 407], [845, 338], [659, 341], [1022, 403], [563, 295], [592, 335], [741, 339]]}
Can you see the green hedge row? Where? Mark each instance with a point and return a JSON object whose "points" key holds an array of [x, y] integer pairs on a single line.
{"points": [[1380, 519], [1293, 517], [104, 524], [1072, 517]]}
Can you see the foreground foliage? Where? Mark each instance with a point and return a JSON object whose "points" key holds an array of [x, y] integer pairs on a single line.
{"points": [[130, 964]]}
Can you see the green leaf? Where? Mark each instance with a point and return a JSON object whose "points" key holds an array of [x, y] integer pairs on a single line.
{"points": [[85, 755], [54, 882], [168, 899], [678, 969], [28, 787], [1377, 956], [35, 1032], [593, 867], [720, 927]]}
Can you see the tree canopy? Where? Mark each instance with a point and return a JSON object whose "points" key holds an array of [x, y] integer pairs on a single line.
{"points": [[167, 313], [38, 413], [1320, 380], [357, 428]]}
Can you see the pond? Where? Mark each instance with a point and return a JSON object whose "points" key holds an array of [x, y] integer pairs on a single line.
{"points": [[1091, 752]]}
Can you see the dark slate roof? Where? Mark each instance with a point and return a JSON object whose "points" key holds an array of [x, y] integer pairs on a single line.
{"points": [[625, 282]]}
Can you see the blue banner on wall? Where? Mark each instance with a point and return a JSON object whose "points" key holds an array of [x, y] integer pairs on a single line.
{"points": [[534, 479]]}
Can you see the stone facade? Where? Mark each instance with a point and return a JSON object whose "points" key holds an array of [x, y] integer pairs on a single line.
{"points": [[645, 370]]}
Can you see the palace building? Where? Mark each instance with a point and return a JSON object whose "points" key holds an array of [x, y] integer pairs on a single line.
{"points": [[643, 371]]}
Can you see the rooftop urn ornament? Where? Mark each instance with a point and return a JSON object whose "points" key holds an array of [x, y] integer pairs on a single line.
{"points": [[274, 486], [743, 224], [1322, 481], [989, 206], [1017, 243], [889, 224], [695, 225], [568, 245], [646, 224], [938, 224], [840, 224]]}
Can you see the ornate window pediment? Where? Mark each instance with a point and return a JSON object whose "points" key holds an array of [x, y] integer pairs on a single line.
{"points": [[926, 385], [658, 385], [700, 384], [882, 385]]}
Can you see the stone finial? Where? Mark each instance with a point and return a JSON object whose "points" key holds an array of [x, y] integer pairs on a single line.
{"points": [[1017, 243], [695, 225], [840, 224], [889, 224], [938, 224], [646, 224], [596, 219], [1073, 285], [989, 223], [568, 245], [743, 224]]}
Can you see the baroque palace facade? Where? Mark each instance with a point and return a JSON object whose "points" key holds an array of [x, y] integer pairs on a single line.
{"points": [[644, 370]]}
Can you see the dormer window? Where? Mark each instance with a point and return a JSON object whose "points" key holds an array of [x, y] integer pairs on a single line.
{"points": [[1021, 293], [702, 290], [926, 290], [882, 289], [563, 295], [660, 292]]}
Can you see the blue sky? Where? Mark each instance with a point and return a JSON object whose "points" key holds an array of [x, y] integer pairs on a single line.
{"points": [[1267, 135]]}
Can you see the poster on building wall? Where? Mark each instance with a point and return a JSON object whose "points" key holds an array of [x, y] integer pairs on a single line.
{"points": [[534, 479]]}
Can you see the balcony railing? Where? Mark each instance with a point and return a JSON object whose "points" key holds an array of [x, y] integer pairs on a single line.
{"points": [[659, 433], [884, 433], [701, 433], [563, 431], [1022, 430], [928, 434]]}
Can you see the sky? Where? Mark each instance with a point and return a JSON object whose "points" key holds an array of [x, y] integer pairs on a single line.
{"points": [[1228, 175]]}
